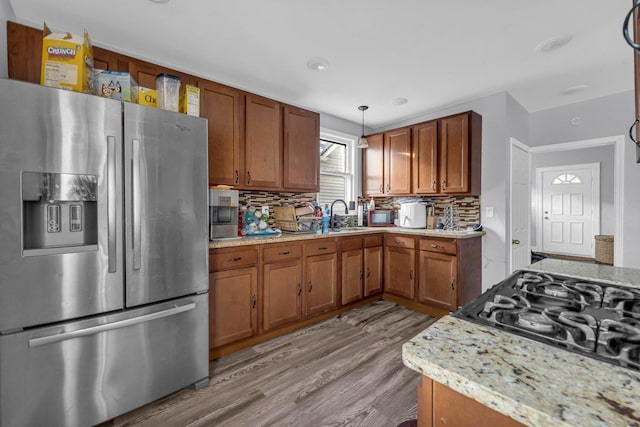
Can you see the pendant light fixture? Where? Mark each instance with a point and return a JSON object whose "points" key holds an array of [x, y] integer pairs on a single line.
{"points": [[362, 142]]}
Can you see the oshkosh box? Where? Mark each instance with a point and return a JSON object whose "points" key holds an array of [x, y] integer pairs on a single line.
{"points": [[116, 85], [147, 97], [190, 100], [67, 61]]}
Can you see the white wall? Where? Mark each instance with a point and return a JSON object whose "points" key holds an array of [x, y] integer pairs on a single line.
{"points": [[6, 14], [495, 156], [602, 117]]}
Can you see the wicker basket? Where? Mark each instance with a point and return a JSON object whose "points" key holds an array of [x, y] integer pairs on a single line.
{"points": [[604, 249]]}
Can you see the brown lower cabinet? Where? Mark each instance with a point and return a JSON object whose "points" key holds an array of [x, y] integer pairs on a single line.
{"points": [[259, 291], [281, 285], [436, 274], [361, 267], [399, 265], [233, 295], [321, 277], [438, 405]]}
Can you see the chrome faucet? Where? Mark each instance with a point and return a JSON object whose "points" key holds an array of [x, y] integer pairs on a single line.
{"points": [[335, 222]]}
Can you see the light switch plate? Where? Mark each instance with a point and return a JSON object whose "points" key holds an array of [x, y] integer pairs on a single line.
{"points": [[489, 212]]}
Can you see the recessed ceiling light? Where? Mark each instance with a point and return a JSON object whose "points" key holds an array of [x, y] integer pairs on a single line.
{"points": [[399, 101], [575, 121], [574, 89], [317, 64], [159, 1], [553, 43]]}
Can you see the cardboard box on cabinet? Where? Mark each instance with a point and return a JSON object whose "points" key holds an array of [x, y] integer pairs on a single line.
{"points": [[116, 85], [148, 97], [67, 61]]}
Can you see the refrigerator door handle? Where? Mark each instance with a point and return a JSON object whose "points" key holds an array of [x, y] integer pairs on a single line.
{"points": [[111, 203], [136, 194], [50, 339]]}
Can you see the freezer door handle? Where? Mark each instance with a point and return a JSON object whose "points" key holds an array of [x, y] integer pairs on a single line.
{"points": [[111, 203], [50, 339], [136, 194]]}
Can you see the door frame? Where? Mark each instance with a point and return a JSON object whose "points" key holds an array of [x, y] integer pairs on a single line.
{"points": [[618, 142], [514, 143], [595, 195]]}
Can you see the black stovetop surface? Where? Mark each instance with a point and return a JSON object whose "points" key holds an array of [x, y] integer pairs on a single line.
{"points": [[599, 320]]}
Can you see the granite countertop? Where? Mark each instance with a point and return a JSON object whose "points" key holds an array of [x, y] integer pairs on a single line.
{"points": [[291, 237], [531, 382]]}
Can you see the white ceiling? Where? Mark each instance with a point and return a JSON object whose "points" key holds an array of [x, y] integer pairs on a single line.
{"points": [[434, 53]]}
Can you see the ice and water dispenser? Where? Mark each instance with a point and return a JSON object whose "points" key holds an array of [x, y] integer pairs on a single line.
{"points": [[59, 212], [223, 213]]}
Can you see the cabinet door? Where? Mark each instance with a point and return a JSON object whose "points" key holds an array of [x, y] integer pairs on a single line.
{"points": [[222, 106], [321, 283], [373, 166], [399, 271], [437, 280], [301, 150], [233, 302], [372, 270], [24, 52], [425, 158], [454, 154], [446, 407], [397, 162], [263, 133], [352, 275], [282, 282]]}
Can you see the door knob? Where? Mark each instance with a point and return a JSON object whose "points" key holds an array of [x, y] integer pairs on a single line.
{"points": [[546, 217], [515, 242]]}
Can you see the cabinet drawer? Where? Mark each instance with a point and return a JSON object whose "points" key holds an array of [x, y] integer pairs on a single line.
{"points": [[281, 253], [399, 241], [371, 241], [351, 243], [233, 259], [437, 245], [324, 246]]}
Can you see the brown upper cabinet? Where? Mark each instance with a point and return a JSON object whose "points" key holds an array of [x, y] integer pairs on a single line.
{"points": [[437, 157], [255, 143], [425, 158], [397, 162], [262, 144], [301, 150], [373, 166], [460, 151], [222, 106], [386, 164]]}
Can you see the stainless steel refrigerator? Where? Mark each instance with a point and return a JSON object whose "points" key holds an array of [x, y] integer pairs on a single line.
{"points": [[103, 255]]}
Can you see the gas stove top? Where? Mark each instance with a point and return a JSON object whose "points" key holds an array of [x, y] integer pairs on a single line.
{"points": [[599, 320]]}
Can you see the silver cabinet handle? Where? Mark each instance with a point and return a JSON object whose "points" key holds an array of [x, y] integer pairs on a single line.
{"points": [[444, 185], [237, 176], [437, 246], [37, 342], [284, 253], [248, 177], [236, 259], [388, 188], [136, 193], [433, 186], [515, 242], [111, 204], [254, 300], [381, 188]]}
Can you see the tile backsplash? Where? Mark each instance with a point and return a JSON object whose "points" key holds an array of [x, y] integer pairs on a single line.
{"points": [[469, 206]]}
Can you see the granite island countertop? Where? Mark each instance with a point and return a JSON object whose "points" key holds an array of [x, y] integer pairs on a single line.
{"points": [[531, 382], [292, 237]]}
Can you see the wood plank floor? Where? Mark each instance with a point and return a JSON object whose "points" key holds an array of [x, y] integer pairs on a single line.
{"points": [[344, 371]]}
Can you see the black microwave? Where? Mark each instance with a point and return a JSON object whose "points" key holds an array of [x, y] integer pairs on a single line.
{"points": [[380, 218]]}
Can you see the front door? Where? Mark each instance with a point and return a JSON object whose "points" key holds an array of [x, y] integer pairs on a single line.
{"points": [[570, 208]]}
